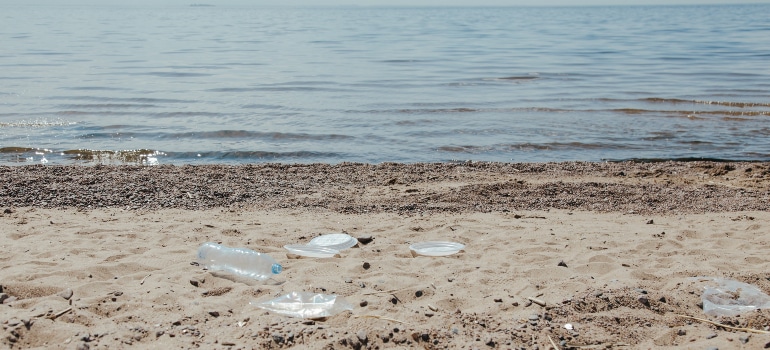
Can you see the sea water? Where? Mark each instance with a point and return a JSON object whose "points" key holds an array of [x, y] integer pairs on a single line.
{"points": [[219, 84]]}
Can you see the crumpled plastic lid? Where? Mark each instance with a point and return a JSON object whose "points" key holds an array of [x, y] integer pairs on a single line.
{"points": [[726, 297], [306, 305]]}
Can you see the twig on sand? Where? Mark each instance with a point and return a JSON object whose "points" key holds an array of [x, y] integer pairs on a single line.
{"points": [[552, 343], [537, 301], [56, 315], [597, 346], [145, 277], [385, 291], [751, 330], [380, 317]]}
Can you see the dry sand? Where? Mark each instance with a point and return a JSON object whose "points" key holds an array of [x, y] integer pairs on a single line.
{"points": [[100, 257]]}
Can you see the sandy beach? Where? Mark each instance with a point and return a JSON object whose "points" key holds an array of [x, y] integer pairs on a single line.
{"points": [[557, 255]]}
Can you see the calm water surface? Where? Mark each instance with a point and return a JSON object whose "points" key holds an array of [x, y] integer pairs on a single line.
{"points": [[197, 85]]}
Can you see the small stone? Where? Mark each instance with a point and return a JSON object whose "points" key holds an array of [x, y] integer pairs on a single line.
{"points": [[429, 314], [228, 343], [214, 313], [681, 332], [562, 263], [418, 293], [711, 336], [117, 293], [66, 294], [498, 300], [489, 342], [363, 303], [650, 222], [3, 297], [366, 265], [642, 291], [348, 280], [365, 239], [425, 337], [643, 299], [362, 337], [278, 338], [744, 339], [534, 317], [195, 282]]}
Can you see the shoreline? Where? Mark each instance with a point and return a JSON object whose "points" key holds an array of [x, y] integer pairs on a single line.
{"points": [[666, 187], [615, 251]]}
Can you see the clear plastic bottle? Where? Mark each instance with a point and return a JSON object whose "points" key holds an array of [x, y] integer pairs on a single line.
{"points": [[239, 261]]}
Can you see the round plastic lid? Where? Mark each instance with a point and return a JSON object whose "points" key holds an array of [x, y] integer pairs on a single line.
{"points": [[338, 241], [311, 250], [436, 248]]}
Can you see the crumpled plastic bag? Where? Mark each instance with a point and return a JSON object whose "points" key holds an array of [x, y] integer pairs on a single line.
{"points": [[726, 297], [306, 305]]}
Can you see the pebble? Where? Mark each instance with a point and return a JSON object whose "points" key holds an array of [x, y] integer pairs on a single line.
{"points": [[681, 332], [562, 263], [66, 294], [711, 336], [362, 337], [365, 239], [278, 338], [214, 313], [366, 265], [744, 339], [3, 297], [363, 303], [418, 293]]}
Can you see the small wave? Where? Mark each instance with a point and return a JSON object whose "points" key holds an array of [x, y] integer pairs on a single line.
{"points": [[36, 124], [94, 88], [107, 105], [120, 99], [241, 156], [177, 74], [530, 147], [720, 103], [245, 134]]}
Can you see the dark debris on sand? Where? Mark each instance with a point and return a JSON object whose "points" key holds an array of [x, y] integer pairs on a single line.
{"points": [[656, 187]]}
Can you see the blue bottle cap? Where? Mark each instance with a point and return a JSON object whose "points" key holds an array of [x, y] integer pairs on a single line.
{"points": [[277, 268]]}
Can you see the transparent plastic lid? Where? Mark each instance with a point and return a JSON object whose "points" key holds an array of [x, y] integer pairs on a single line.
{"points": [[338, 241], [436, 248], [311, 251]]}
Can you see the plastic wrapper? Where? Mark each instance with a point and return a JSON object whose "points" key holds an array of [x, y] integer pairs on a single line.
{"points": [[306, 305], [726, 297]]}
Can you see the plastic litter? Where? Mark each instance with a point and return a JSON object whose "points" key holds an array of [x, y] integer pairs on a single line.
{"points": [[325, 246], [306, 305], [338, 241], [726, 297], [437, 248], [239, 261], [311, 251]]}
